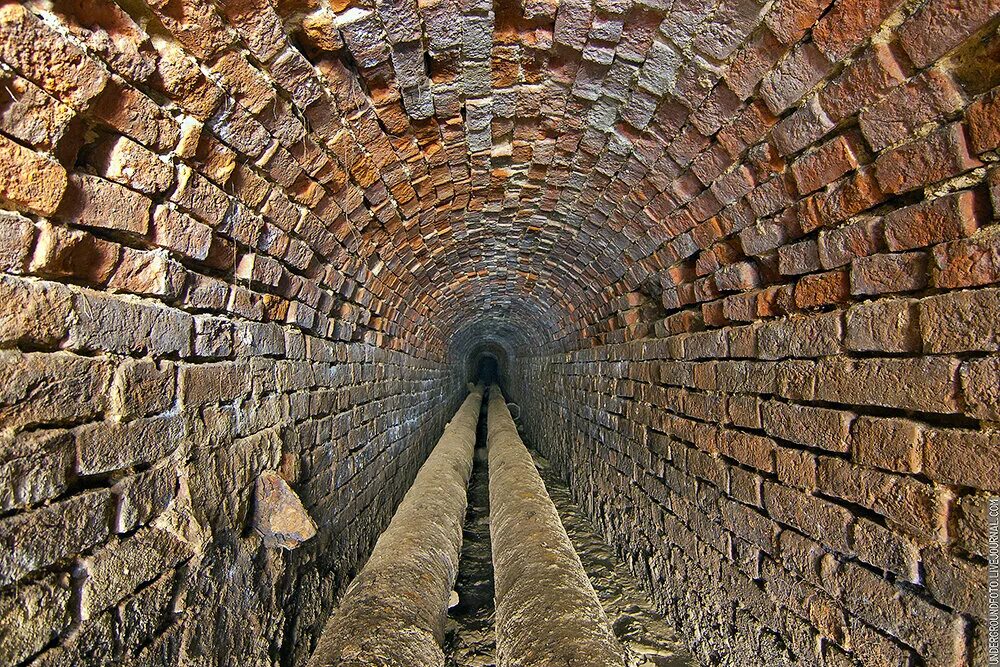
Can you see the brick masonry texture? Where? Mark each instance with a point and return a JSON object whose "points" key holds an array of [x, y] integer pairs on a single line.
{"points": [[741, 260]]}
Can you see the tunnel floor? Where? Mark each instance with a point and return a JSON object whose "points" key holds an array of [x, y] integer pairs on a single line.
{"points": [[647, 636]]}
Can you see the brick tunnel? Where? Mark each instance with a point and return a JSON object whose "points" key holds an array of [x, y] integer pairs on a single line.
{"points": [[736, 262]]}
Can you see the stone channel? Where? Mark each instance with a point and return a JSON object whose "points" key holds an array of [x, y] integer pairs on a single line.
{"points": [[648, 638]]}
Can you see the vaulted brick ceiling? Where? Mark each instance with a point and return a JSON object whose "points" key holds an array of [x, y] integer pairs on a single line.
{"points": [[537, 174]]}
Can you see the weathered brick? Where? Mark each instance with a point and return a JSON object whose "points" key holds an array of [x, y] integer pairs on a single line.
{"points": [[925, 99], [848, 23], [968, 262], [882, 274], [862, 83], [32, 616], [123, 161], [822, 289], [940, 25], [822, 520], [981, 118], [40, 388], [811, 336], [886, 549], [94, 202], [927, 384], [108, 446], [16, 237], [825, 164], [838, 247], [821, 428], [939, 155], [964, 458], [142, 387], [886, 325], [151, 273], [144, 496], [961, 322], [931, 222], [953, 581], [61, 252], [42, 537], [901, 500], [106, 322], [123, 565], [29, 181], [979, 387], [794, 76], [211, 383], [33, 313], [32, 117], [45, 57], [34, 467]]}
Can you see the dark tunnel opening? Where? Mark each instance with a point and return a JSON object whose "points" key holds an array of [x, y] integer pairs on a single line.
{"points": [[487, 370]]}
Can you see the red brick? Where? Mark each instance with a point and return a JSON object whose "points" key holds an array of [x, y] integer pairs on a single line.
{"points": [[822, 289], [881, 274], [64, 253], [46, 58], [790, 19], [886, 325], [838, 247], [825, 164], [749, 65], [29, 181], [968, 262], [898, 116], [981, 117], [942, 154], [793, 77], [931, 222], [941, 25], [849, 23], [862, 83], [94, 202], [856, 193]]}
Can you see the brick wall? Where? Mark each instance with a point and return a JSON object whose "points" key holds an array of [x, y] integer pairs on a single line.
{"points": [[133, 441], [796, 450], [184, 305], [811, 507]]}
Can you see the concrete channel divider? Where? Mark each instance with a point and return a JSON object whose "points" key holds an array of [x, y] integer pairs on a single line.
{"points": [[394, 612], [547, 613]]}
